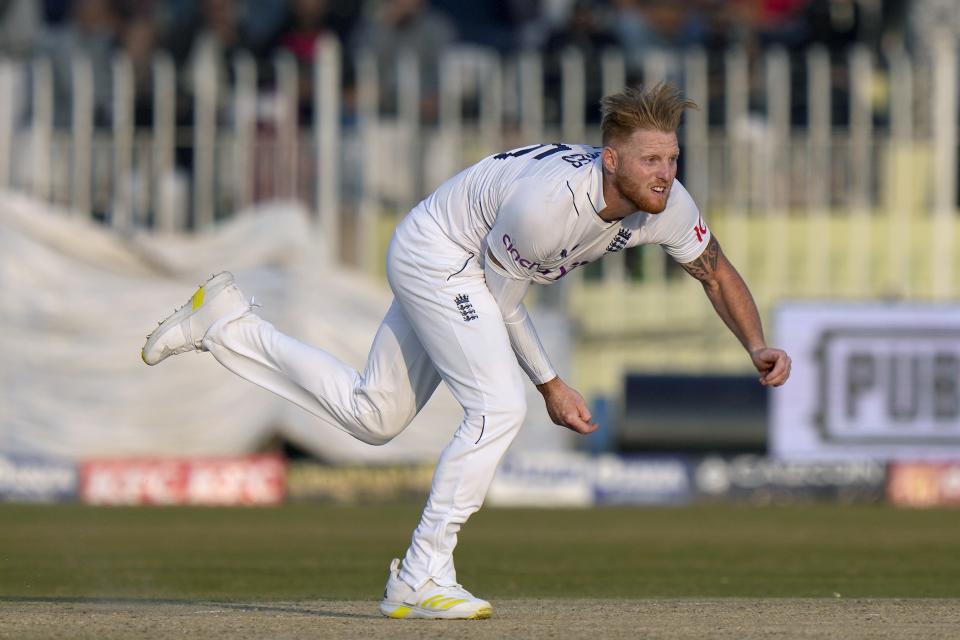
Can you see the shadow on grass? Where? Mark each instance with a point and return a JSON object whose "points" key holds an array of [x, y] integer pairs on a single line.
{"points": [[235, 606]]}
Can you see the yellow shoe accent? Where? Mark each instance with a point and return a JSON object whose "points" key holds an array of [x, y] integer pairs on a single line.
{"points": [[447, 605], [438, 603], [429, 602], [482, 613], [400, 612], [197, 299], [143, 357]]}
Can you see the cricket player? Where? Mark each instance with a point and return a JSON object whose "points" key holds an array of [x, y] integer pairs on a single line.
{"points": [[459, 265]]}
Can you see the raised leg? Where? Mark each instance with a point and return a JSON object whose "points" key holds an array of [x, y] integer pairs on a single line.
{"points": [[373, 405]]}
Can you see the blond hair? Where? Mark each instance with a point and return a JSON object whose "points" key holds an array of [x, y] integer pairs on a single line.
{"points": [[658, 108]]}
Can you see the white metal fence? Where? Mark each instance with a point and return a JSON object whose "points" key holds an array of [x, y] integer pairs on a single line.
{"points": [[810, 196]]}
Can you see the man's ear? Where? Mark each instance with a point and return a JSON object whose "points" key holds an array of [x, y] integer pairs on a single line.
{"points": [[610, 159]]}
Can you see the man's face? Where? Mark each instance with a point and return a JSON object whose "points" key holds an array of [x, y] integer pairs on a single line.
{"points": [[644, 166]]}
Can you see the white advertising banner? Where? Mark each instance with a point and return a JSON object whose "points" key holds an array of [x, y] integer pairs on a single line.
{"points": [[870, 380]]}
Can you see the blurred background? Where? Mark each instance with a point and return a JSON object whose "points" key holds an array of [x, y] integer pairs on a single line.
{"points": [[145, 144]]}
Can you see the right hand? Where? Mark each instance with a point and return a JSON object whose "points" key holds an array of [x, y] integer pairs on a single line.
{"points": [[566, 406], [773, 365]]}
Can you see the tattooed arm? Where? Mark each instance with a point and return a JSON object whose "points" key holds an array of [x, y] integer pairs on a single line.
{"points": [[732, 300]]}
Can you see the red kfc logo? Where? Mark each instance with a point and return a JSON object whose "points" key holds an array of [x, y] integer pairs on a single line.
{"points": [[700, 229]]}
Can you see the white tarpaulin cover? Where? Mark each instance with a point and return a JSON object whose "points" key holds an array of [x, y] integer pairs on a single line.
{"points": [[78, 299]]}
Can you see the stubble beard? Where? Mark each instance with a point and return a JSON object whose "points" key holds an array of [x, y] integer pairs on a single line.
{"points": [[640, 195]]}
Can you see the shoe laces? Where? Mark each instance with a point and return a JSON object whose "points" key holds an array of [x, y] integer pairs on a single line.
{"points": [[458, 588]]}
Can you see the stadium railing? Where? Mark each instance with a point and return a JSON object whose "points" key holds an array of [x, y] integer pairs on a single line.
{"points": [[816, 187]]}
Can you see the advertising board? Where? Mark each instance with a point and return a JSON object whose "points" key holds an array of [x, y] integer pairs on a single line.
{"points": [[246, 480], [578, 480], [641, 480], [554, 479], [924, 484], [870, 381], [36, 479], [312, 481], [761, 480]]}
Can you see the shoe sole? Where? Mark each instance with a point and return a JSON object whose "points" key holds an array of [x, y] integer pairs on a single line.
{"points": [[406, 612], [214, 285]]}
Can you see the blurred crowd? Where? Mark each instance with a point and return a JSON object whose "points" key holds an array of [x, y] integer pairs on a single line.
{"points": [[62, 30], [262, 26]]}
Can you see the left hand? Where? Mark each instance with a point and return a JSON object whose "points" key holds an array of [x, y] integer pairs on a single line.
{"points": [[566, 407], [773, 365]]}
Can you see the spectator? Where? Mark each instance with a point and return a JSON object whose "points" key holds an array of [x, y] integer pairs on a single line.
{"points": [[306, 24], [139, 36], [20, 25], [261, 20], [56, 12], [586, 33], [216, 27], [494, 23], [783, 23], [89, 33], [834, 23], [407, 25], [634, 32]]}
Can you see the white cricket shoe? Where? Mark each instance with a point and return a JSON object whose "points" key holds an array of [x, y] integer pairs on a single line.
{"points": [[185, 328], [430, 601]]}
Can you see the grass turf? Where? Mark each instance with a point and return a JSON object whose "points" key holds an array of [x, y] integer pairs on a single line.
{"points": [[302, 552]]}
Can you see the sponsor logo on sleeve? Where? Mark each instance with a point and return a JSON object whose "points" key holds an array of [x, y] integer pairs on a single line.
{"points": [[581, 159], [700, 229]]}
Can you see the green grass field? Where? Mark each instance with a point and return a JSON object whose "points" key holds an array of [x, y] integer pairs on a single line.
{"points": [[324, 552]]}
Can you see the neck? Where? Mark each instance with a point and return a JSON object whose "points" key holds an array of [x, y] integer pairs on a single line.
{"points": [[617, 207]]}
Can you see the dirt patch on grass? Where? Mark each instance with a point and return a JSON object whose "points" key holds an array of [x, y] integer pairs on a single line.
{"points": [[675, 618]]}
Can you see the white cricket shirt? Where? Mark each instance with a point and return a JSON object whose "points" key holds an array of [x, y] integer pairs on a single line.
{"points": [[536, 210]]}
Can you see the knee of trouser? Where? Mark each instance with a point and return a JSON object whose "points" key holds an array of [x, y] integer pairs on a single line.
{"points": [[508, 410], [374, 431], [377, 439], [380, 427]]}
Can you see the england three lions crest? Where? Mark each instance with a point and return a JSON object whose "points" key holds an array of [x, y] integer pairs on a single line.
{"points": [[465, 307]]}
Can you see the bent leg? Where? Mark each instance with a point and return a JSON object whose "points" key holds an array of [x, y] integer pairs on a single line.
{"points": [[373, 406], [460, 325]]}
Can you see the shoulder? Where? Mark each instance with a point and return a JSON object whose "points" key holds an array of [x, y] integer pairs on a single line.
{"points": [[550, 186], [681, 204], [680, 228], [536, 208], [538, 198]]}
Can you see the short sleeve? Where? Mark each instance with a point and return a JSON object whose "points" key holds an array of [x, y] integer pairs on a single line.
{"points": [[523, 236], [682, 233]]}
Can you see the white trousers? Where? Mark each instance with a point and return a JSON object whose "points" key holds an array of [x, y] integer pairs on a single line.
{"points": [[443, 324]]}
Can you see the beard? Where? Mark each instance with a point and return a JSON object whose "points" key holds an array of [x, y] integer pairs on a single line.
{"points": [[641, 195]]}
